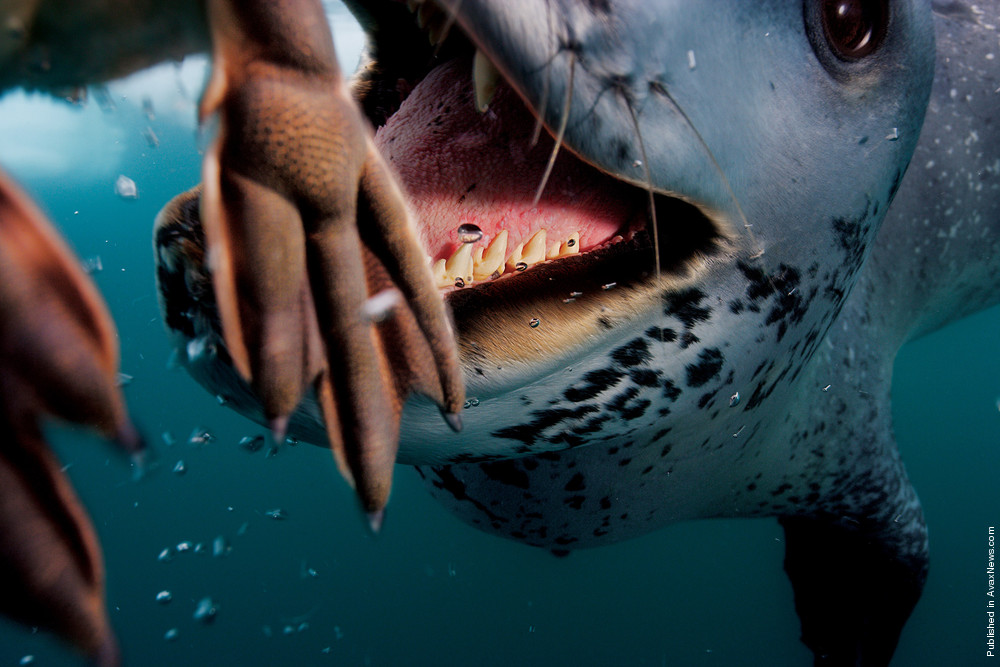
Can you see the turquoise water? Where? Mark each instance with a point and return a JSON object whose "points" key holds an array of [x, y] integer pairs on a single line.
{"points": [[429, 590]]}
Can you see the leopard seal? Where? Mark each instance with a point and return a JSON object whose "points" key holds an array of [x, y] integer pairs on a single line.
{"points": [[719, 343]]}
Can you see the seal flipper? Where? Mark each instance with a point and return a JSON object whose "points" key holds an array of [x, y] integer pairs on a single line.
{"points": [[855, 584], [282, 180]]}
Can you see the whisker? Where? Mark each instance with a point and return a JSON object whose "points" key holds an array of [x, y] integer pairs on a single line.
{"points": [[563, 122], [544, 101], [649, 185], [660, 88]]}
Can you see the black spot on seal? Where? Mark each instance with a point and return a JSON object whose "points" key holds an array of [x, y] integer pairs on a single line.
{"points": [[708, 366]]}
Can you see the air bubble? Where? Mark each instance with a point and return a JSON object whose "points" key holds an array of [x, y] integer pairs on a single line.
{"points": [[186, 545], [151, 139], [163, 597], [200, 436], [200, 348], [471, 403], [93, 264], [607, 286], [734, 400], [459, 282], [205, 611], [125, 187], [534, 322], [180, 468], [165, 555], [468, 233], [520, 266], [220, 547], [170, 635], [277, 514], [381, 306], [252, 444]]}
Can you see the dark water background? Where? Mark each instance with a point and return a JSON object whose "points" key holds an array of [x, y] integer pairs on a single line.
{"points": [[430, 590]]}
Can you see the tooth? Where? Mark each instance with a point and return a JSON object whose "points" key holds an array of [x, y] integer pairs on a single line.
{"points": [[424, 13], [440, 275], [515, 259], [459, 265], [484, 79], [534, 249], [491, 261], [553, 251], [477, 255], [436, 29], [571, 246]]}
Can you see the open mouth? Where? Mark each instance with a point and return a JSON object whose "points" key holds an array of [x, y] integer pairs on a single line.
{"points": [[492, 197]]}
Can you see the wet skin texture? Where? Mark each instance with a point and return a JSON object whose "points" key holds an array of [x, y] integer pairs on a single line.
{"points": [[751, 377]]}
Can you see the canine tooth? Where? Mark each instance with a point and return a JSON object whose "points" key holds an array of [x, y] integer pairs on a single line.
{"points": [[553, 251], [437, 29], [534, 249], [491, 260], [459, 265], [440, 275], [424, 13], [484, 79]]}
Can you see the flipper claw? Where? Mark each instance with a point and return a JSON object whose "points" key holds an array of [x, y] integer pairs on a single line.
{"points": [[453, 420], [375, 520]]}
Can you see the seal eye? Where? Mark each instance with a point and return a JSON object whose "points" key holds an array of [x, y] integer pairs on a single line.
{"points": [[855, 28]]}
